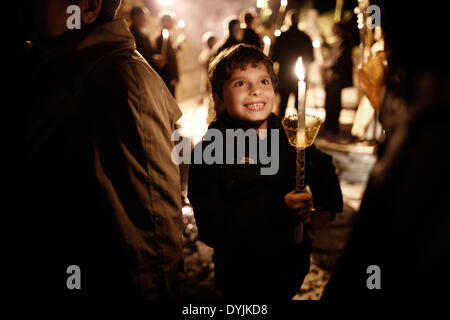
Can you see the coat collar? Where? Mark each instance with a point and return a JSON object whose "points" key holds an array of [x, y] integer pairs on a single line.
{"points": [[115, 32]]}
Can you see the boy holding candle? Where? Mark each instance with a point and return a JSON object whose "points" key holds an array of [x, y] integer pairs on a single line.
{"points": [[249, 218]]}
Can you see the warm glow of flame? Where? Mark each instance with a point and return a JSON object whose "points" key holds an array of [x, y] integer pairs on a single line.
{"points": [[316, 43], [181, 24], [299, 69], [277, 33], [284, 3], [266, 40], [165, 33], [260, 3]]}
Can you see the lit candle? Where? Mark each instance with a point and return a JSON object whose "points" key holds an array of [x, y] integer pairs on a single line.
{"points": [[301, 139], [266, 50], [165, 34]]}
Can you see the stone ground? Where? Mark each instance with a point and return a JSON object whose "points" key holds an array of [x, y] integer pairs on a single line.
{"points": [[353, 162]]}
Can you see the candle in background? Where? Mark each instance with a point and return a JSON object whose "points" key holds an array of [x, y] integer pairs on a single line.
{"points": [[301, 139], [165, 34], [267, 41]]}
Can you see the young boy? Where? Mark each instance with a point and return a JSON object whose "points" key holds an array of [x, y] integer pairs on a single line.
{"points": [[249, 218]]}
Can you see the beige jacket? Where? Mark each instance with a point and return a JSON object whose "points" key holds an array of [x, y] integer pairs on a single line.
{"points": [[98, 140]]}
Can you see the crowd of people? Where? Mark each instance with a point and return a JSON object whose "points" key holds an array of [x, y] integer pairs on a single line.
{"points": [[96, 186]]}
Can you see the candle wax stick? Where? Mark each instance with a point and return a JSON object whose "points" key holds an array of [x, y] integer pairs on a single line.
{"points": [[301, 138], [165, 34]]}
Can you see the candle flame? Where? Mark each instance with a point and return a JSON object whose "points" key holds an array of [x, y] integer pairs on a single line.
{"points": [[165, 33], [181, 24], [299, 69], [277, 33], [266, 40], [284, 3]]}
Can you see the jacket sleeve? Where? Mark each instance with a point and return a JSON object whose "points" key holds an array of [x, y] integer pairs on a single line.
{"points": [[322, 179]]}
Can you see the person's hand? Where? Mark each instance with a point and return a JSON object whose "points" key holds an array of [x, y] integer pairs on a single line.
{"points": [[300, 204], [320, 219], [160, 60]]}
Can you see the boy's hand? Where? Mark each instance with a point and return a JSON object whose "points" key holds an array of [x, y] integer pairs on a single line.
{"points": [[299, 203], [320, 219]]}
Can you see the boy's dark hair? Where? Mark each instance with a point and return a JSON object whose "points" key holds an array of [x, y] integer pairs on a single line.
{"points": [[238, 56]]}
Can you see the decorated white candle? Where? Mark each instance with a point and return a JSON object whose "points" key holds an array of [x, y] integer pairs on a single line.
{"points": [[267, 41], [165, 34]]}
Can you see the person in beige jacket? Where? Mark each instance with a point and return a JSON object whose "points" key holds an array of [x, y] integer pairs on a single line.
{"points": [[104, 194]]}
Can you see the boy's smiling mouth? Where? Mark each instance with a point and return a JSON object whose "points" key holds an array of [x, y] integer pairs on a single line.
{"points": [[255, 106]]}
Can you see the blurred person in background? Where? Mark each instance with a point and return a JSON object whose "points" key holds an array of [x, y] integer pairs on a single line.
{"points": [[402, 225], [290, 45], [143, 43], [170, 72], [235, 34], [250, 35], [337, 75]]}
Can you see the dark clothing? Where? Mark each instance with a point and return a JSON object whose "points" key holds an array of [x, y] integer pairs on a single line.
{"points": [[403, 223], [144, 47], [231, 41], [169, 72], [243, 216], [288, 47], [333, 106], [101, 190], [251, 37], [338, 74]]}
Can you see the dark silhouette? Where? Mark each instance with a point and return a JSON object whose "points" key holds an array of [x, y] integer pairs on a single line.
{"points": [[250, 35], [101, 191], [143, 43], [169, 72], [338, 74], [402, 226], [290, 45], [235, 35]]}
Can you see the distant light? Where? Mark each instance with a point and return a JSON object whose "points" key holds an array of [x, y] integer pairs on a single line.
{"points": [[260, 3], [277, 33], [181, 24], [284, 3], [316, 43], [243, 26], [266, 40], [165, 33], [166, 2]]}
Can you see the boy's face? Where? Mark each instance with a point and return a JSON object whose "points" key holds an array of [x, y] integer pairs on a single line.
{"points": [[248, 96]]}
